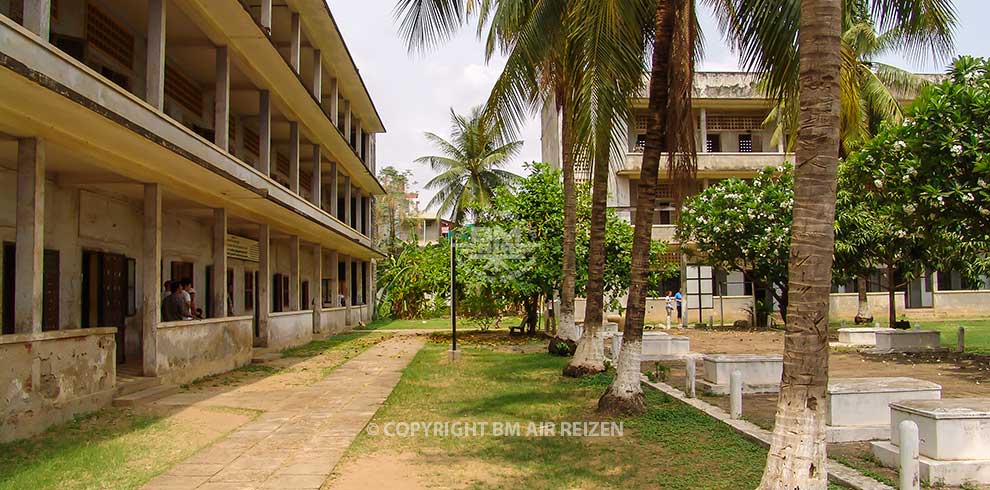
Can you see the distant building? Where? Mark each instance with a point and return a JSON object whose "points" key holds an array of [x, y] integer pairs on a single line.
{"points": [[733, 141]]}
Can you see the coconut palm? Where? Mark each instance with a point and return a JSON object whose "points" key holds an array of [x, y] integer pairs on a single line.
{"points": [[470, 166]]}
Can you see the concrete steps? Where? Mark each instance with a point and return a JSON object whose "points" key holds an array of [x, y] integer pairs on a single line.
{"points": [[144, 396]]}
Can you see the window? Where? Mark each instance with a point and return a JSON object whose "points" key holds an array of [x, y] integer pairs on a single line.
{"points": [[304, 295], [745, 143], [109, 37], [248, 290], [732, 284], [50, 294], [956, 281], [327, 298], [640, 143], [713, 144]]}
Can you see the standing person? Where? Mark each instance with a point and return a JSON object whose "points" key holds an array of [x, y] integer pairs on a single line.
{"points": [[680, 300], [669, 300], [172, 307], [166, 291], [185, 291]]}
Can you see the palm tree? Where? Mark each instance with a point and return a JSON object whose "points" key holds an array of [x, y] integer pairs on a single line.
{"points": [[470, 167]]}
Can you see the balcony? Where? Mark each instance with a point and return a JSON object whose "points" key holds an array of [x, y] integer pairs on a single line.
{"points": [[660, 232], [721, 164]]}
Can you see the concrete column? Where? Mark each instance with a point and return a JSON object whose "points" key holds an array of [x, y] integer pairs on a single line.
{"points": [[334, 103], [359, 266], [317, 180], [294, 299], [317, 84], [334, 195], [151, 278], [356, 142], [264, 284], [735, 394], [239, 138], [37, 17], [909, 476], [347, 202], [265, 132], [295, 40], [347, 121], [294, 156], [317, 289], [347, 280], [219, 263], [704, 130], [373, 156], [369, 204], [155, 73], [30, 235], [334, 277], [266, 15], [221, 105]]}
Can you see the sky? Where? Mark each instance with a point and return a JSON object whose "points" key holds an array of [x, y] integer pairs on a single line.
{"points": [[414, 93]]}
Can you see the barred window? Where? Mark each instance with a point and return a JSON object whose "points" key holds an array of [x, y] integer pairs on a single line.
{"points": [[109, 37]]}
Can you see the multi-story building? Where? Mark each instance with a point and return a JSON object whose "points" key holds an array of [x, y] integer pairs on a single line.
{"points": [[733, 140], [230, 142]]}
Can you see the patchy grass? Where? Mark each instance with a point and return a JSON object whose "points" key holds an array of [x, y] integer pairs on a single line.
{"points": [[351, 341], [112, 449], [671, 446], [434, 324], [977, 332]]}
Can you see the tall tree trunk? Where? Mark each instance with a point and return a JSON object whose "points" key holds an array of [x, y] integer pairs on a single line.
{"points": [[891, 296], [566, 329], [589, 357], [797, 457], [863, 313], [625, 394]]}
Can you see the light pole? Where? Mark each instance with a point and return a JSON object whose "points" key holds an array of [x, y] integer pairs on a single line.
{"points": [[454, 353]]}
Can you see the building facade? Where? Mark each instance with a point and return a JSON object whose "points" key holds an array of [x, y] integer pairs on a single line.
{"points": [[228, 142], [733, 140]]}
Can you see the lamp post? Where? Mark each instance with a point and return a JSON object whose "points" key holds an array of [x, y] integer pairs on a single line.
{"points": [[454, 353]]}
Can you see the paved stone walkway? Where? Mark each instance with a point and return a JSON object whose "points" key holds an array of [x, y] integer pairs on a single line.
{"points": [[297, 443]]}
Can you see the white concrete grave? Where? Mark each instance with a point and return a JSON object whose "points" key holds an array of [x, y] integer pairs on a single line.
{"points": [[860, 336], [907, 341], [954, 435], [858, 407], [657, 346], [760, 373], [607, 328]]}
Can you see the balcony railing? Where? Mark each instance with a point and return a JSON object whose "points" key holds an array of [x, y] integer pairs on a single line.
{"points": [[720, 162]]}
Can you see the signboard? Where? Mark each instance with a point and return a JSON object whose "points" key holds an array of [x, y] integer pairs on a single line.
{"points": [[242, 248], [699, 288]]}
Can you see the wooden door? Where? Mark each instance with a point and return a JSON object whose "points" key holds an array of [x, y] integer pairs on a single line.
{"points": [[113, 288], [50, 288]]}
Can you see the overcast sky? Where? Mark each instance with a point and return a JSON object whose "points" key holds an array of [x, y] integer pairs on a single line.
{"points": [[414, 93]]}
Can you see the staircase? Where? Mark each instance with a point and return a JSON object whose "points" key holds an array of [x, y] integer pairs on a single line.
{"points": [[135, 389]]}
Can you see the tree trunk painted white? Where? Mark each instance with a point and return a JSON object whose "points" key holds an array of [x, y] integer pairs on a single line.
{"points": [[589, 357], [628, 377], [863, 313]]}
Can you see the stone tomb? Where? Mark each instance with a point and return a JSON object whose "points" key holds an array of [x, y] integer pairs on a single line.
{"points": [[607, 329], [760, 373], [657, 346], [907, 341], [858, 407], [954, 439], [860, 336]]}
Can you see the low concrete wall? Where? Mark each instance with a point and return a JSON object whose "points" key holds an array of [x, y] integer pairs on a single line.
{"points": [[361, 313], [334, 320], [192, 349], [289, 329], [50, 377]]}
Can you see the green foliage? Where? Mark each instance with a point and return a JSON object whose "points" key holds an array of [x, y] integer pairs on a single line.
{"points": [[414, 282], [745, 226]]}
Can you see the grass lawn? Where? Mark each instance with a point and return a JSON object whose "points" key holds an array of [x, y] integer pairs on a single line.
{"points": [[977, 332], [432, 324], [672, 446], [118, 448]]}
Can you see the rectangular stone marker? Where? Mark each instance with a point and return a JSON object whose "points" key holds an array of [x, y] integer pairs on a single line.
{"points": [[908, 341], [661, 347], [858, 408], [860, 336], [760, 373], [648, 338], [954, 435]]}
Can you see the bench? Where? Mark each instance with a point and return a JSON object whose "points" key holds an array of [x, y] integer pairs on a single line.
{"points": [[520, 328]]}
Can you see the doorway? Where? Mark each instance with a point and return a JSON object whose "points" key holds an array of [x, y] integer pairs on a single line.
{"points": [[104, 295], [50, 282], [920, 293]]}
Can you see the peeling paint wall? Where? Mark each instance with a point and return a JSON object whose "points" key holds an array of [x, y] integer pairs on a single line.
{"points": [[191, 350], [49, 378], [290, 329]]}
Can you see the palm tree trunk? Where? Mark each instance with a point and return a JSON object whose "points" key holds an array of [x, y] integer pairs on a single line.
{"points": [[863, 313], [625, 394], [566, 329], [589, 357], [797, 457]]}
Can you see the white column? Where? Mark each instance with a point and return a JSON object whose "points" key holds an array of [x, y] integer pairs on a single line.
{"points": [[317, 290], [317, 84], [347, 280], [317, 180], [334, 278], [264, 303], [372, 160], [221, 105], [37, 17], [359, 275], [265, 132], [356, 143], [704, 130], [294, 156], [151, 278], [219, 263], [266, 15], [347, 121], [155, 73], [369, 208], [334, 103], [347, 202], [30, 235], [295, 40], [294, 300], [333, 189]]}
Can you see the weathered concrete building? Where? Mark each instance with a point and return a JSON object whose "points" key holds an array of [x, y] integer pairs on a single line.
{"points": [[733, 141], [230, 142]]}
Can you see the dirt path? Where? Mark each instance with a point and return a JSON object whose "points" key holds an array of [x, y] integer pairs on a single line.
{"points": [[305, 428]]}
